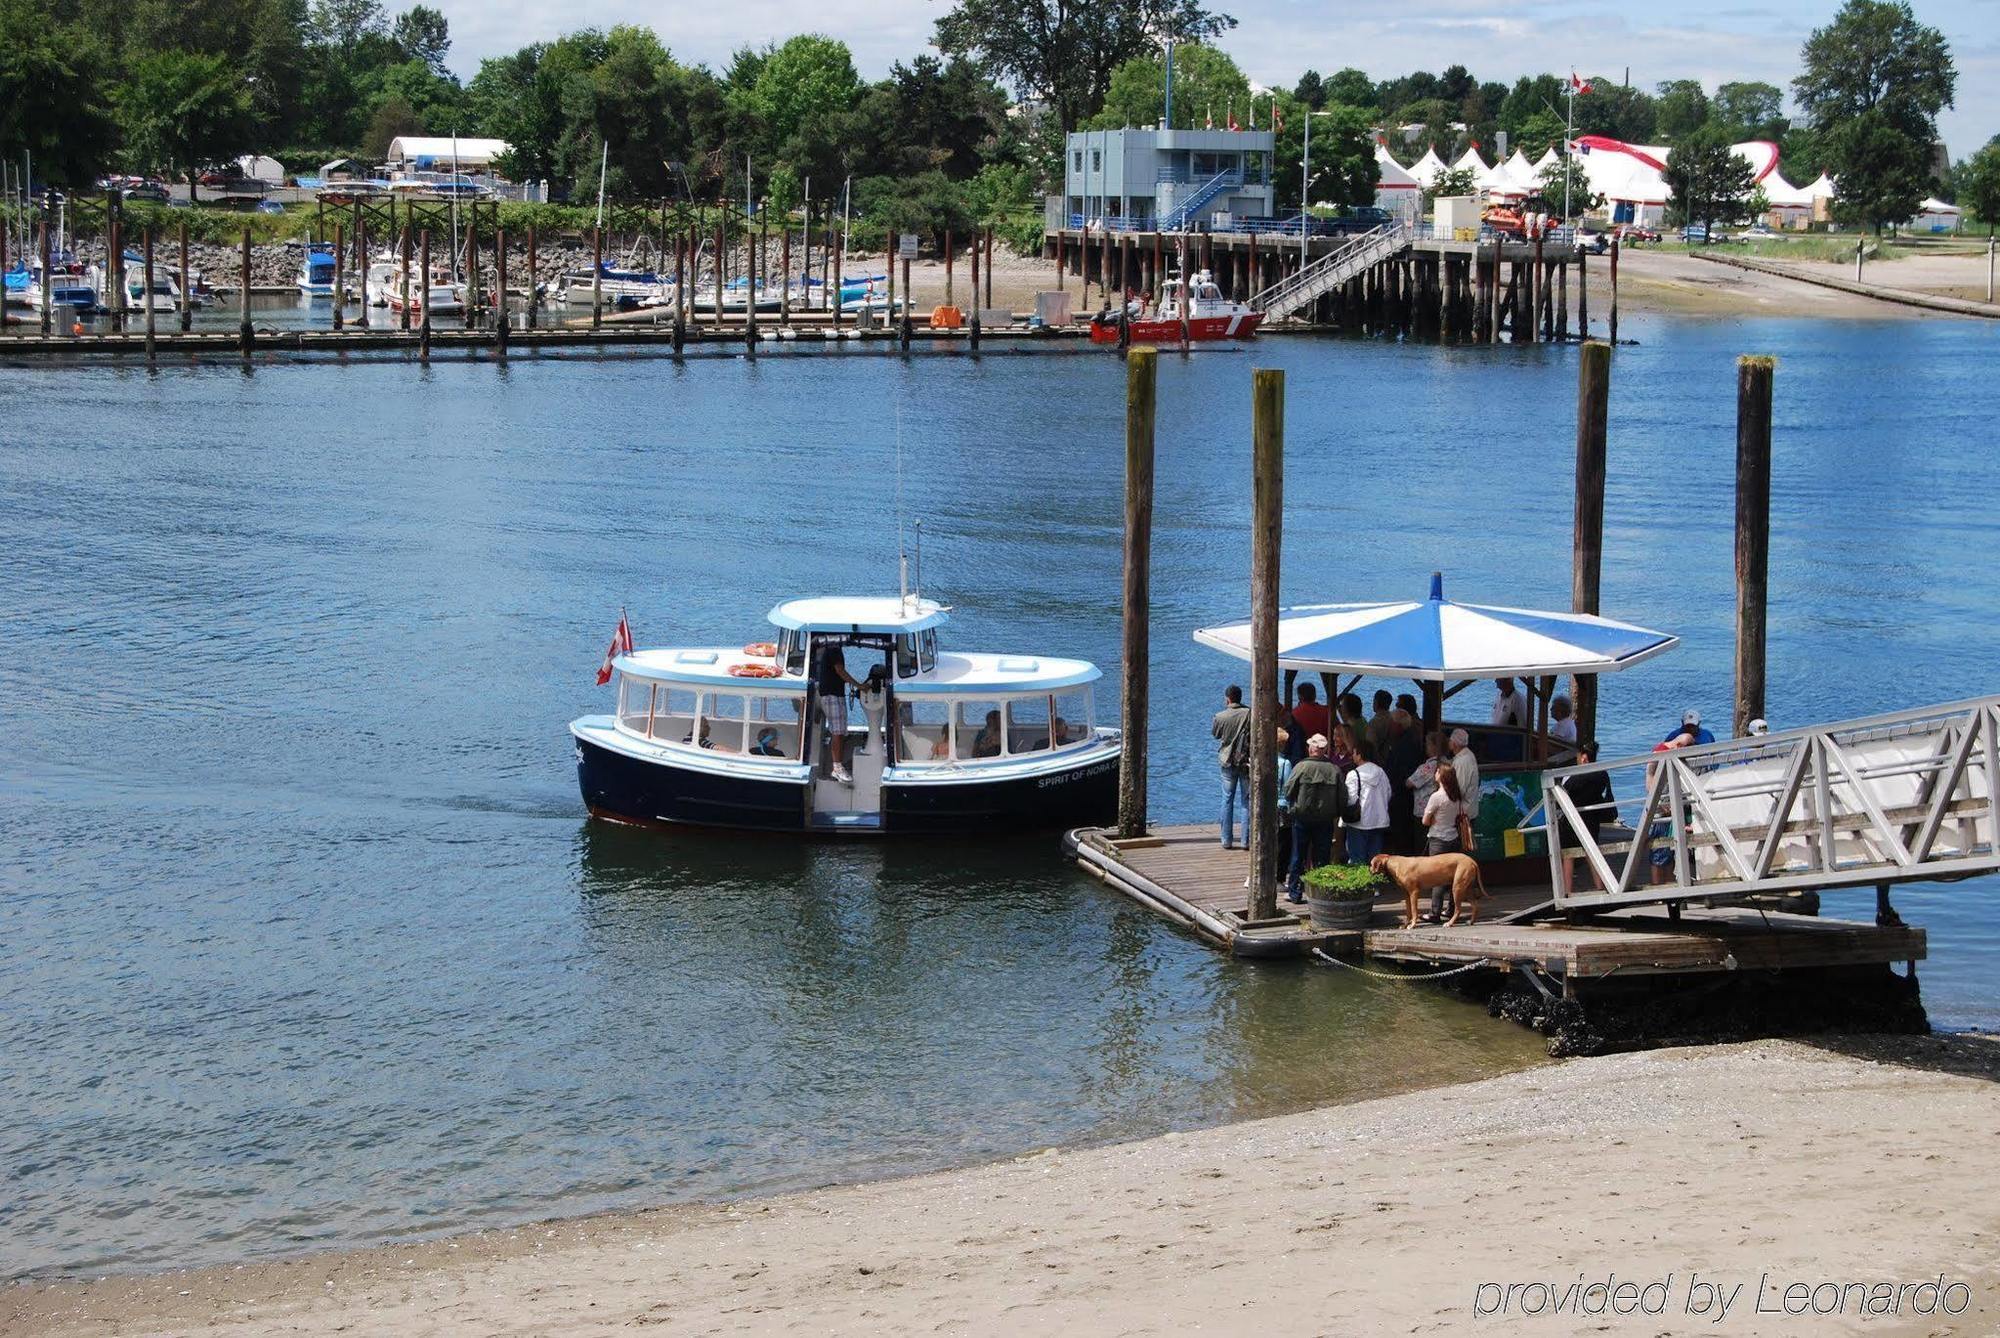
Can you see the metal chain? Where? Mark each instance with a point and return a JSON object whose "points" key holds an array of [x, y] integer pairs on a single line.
{"points": [[1398, 975]]}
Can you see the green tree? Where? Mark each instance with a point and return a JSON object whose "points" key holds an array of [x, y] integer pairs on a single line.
{"points": [[1538, 134], [1683, 109], [1205, 80], [1310, 91], [1750, 111], [1979, 184], [393, 116], [807, 81], [1344, 170], [422, 33], [1458, 181], [51, 75], [1349, 87], [1706, 180], [1563, 180], [1539, 96], [1873, 77], [1063, 51], [180, 111]]}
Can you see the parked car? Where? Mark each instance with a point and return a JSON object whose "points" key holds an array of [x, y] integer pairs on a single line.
{"points": [[1695, 234], [1631, 234], [1760, 230], [1596, 243], [1362, 218]]}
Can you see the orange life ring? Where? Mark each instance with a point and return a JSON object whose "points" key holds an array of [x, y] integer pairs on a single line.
{"points": [[753, 671], [763, 650]]}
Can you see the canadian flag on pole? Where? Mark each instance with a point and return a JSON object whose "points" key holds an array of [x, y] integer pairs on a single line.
{"points": [[1210, 125], [1577, 85], [1232, 115], [621, 644]]}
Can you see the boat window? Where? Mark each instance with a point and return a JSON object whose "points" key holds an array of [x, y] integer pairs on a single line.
{"points": [[792, 650], [1072, 723], [906, 655], [774, 727], [1027, 724], [976, 730], [722, 721], [927, 650], [673, 714], [635, 703], [924, 736]]}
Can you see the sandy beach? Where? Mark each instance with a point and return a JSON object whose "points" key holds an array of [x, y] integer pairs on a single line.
{"points": [[1702, 1178]]}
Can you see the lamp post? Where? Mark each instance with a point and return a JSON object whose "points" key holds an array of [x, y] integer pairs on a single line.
{"points": [[1306, 187]]}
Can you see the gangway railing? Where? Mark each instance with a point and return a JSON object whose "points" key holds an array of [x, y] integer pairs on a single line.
{"points": [[1177, 219], [1331, 270], [1886, 799]]}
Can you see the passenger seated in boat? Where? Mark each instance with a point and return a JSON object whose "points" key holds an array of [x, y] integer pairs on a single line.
{"points": [[706, 742], [767, 744], [987, 742]]}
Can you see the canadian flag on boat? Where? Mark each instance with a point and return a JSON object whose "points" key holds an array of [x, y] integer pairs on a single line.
{"points": [[1578, 85], [621, 644]]}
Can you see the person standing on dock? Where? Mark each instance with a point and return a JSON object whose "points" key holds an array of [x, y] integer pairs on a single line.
{"points": [[1231, 728], [1379, 724], [1312, 793], [1467, 767], [1401, 760], [1310, 712], [1510, 713], [1691, 726], [1367, 806]]}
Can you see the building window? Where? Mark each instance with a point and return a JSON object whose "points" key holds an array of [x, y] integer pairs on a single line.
{"points": [[1097, 160], [1078, 158]]}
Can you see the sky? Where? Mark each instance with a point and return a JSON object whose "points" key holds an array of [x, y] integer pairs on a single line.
{"points": [[1275, 40]]}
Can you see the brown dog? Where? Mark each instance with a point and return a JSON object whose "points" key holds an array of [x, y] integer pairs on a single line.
{"points": [[1414, 873]]}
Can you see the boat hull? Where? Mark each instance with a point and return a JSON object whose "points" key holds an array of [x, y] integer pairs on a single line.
{"points": [[623, 788], [1203, 329]]}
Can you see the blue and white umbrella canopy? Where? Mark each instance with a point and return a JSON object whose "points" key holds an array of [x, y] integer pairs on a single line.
{"points": [[1438, 639]]}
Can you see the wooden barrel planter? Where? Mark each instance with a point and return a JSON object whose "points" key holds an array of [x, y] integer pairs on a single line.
{"points": [[1342, 896]]}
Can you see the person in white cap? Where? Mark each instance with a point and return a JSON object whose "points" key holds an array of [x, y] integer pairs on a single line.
{"points": [[1691, 726], [1759, 726]]}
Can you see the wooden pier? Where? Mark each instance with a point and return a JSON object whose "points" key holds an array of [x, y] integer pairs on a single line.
{"points": [[1436, 290], [1184, 874]]}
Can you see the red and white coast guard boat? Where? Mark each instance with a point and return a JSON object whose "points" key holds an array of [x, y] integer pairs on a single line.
{"points": [[1210, 316]]}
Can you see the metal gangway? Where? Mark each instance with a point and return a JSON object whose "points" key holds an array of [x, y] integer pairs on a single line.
{"points": [[1331, 270], [1887, 799]]}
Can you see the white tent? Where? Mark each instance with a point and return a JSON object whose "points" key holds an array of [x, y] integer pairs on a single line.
{"points": [[258, 167], [1396, 190], [1470, 161], [1520, 171], [438, 153], [1821, 189], [1934, 215], [1542, 163], [1784, 195], [1428, 168]]}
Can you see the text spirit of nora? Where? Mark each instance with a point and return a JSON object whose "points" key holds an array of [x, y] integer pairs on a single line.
{"points": [[1717, 1299]]}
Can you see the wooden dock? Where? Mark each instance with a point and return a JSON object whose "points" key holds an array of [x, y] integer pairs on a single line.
{"points": [[1184, 874]]}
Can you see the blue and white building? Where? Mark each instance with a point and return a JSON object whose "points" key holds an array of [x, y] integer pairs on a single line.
{"points": [[1142, 180]]}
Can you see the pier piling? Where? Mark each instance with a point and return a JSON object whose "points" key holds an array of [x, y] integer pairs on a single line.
{"points": [[244, 334], [1141, 387], [1593, 399], [424, 336], [1614, 290], [149, 296], [404, 244], [1753, 532], [500, 322], [596, 282], [1266, 520], [339, 276]]}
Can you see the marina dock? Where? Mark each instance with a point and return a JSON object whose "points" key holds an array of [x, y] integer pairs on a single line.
{"points": [[1184, 874]]}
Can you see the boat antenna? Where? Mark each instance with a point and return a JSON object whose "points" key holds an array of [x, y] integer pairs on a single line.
{"points": [[603, 163], [902, 554]]}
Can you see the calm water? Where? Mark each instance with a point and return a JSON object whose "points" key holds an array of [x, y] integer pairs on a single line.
{"points": [[308, 943]]}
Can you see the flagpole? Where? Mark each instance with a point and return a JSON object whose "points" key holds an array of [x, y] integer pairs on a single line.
{"points": [[1569, 134]]}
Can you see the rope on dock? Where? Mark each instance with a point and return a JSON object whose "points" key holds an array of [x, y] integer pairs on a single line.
{"points": [[1400, 976]]}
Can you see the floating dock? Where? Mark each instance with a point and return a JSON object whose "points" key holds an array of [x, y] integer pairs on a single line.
{"points": [[1183, 874]]}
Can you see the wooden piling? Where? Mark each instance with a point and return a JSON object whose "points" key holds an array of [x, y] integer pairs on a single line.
{"points": [[1593, 400], [114, 259], [905, 324], [361, 262], [1562, 300], [500, 321], [833, 292], [1753, 532], [48, 270], [244, 334], [473, 316], [1614, 290], [1062, 270], [1267, 432], [989, 267], [339, 276], [534, 288], [950, 293], [596, 283], [1141, 382], [424, 329], [1583, 295], [148, 294], [785, 267], [975, 277], [404, 246]]}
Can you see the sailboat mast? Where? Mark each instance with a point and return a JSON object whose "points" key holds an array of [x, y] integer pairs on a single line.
{"points": [[603, 162], [454, 206]]}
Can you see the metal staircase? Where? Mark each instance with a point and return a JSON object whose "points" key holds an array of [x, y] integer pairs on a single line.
{"points": [[1331, 270], [1177, 220], [1887, 799]]}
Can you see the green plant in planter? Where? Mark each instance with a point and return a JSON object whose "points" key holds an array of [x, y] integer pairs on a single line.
{"points": [[1346, 882]]}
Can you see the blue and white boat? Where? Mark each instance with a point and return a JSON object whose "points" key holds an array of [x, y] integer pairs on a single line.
{"points": [[946, 744], [70, 286], [16, 284], [613, 282], [316, 270]]}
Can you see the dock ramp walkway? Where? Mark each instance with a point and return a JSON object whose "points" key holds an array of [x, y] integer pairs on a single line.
{"points": [[1886, 799], [1353, 257]]}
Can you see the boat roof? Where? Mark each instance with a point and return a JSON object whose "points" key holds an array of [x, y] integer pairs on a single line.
{"points": [[955, 674], [859, 613]]}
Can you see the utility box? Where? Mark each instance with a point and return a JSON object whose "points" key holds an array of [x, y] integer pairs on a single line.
{"points": [[1052, 308], [1454, 214]]}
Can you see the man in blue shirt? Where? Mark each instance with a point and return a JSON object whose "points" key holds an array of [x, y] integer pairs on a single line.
{"points": [[1691, 726]]}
